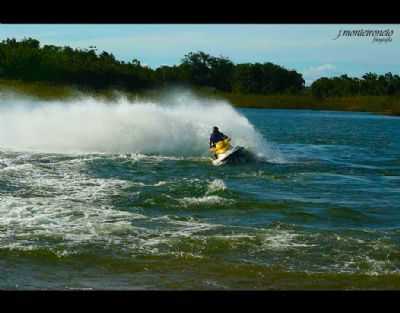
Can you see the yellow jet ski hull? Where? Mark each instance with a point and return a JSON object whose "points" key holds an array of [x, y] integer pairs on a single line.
{"points": [[221, 147], [224, 153], [234, 155]]}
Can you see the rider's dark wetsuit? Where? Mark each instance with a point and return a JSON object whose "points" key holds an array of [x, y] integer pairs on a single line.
{"points": [[215, 137]]}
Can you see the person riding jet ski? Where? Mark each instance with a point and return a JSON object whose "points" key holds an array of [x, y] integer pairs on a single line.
{"points": [[215, 138], [223, 152]]}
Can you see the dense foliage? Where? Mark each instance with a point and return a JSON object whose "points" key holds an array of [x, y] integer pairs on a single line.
{"points": [[27, 60], [369, 85]]}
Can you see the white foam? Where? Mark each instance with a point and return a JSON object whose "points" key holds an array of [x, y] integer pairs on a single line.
{"points": [[216, 185], [278, 239], [67, 204], [205, 200], [74, 209]]}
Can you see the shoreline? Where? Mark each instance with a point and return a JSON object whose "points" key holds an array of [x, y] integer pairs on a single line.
{"points": [[383, 105]]}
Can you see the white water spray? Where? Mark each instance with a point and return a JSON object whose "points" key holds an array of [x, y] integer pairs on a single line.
{"points": [[178, 125]]}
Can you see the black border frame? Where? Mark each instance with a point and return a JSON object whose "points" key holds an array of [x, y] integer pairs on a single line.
{"points": [[288, 13]]}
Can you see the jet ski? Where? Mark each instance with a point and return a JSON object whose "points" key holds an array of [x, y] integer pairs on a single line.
{"points": [[224, 153]]}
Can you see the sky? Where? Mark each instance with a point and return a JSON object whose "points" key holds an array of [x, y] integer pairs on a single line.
{"points": [[307, 48]]}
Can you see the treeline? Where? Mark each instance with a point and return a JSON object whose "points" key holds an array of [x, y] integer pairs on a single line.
{"points": [[27, 60], [370, 84]]}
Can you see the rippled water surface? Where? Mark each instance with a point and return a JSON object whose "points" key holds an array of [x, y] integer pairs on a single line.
{"points": [[325, 214]]}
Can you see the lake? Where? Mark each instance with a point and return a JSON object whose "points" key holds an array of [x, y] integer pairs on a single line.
{"points": [[320, 209]]}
